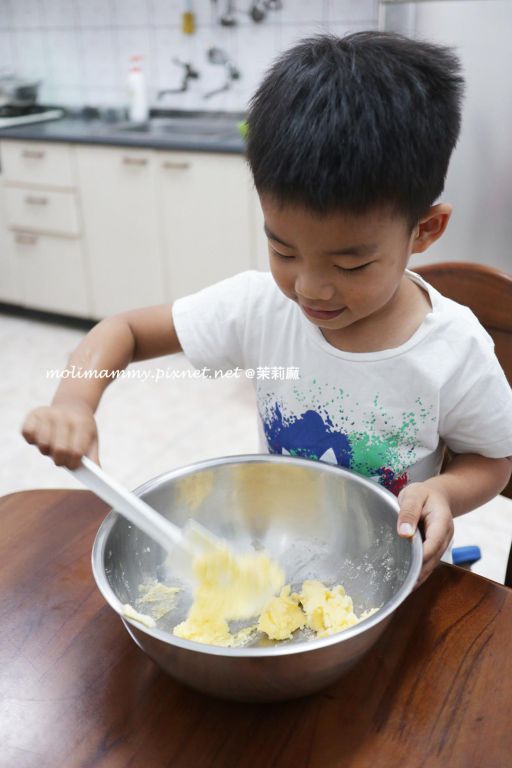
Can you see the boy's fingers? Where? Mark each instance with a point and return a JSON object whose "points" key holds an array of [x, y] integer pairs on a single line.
{"points": [[438, 534], [411, 501], [93, 452], [80, 444], [43, 435], [439, 531], [29, 427], [61, 443]]}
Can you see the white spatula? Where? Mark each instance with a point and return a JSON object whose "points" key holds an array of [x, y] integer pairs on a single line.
{"points": [[182, 544]]}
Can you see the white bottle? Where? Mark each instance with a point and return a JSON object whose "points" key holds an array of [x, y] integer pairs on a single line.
{"points": [[138, 111]]}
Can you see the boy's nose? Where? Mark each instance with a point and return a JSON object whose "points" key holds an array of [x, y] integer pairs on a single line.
{"points": [[313, 288]]}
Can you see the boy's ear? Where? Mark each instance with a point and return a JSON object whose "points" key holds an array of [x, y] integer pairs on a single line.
{"points": [[430, 227]]}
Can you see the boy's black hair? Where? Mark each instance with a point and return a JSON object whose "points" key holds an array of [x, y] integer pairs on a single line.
{"points": [[354, 122]]}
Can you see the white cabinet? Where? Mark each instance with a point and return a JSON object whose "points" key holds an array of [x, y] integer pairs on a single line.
{"points": [[37, 163], [121, 228], [50, 273], [206, 217], [42, 259], [9, 289], [42, 210], [95, 230]]}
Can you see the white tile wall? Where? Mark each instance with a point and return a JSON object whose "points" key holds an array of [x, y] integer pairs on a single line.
{"points": [[351, 11], [26, 14], [81, 48], [58, 13], [92, 13], [63, 57]]}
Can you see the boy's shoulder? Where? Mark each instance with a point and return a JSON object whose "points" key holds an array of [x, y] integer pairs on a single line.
{"points": [[454, 322], [248, 280], [259, 290], [261, 280]]}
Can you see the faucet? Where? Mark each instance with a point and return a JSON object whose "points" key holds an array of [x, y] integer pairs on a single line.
{"points": [[218, 56], [189, 73]]}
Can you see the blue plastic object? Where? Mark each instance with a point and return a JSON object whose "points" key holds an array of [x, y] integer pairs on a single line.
{"points": [[465, 555]]}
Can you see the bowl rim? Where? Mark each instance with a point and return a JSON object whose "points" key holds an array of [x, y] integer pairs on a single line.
{"points": [[98, 551]]}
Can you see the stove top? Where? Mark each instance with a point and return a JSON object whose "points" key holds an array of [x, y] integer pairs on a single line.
{"points": [[11, 115]]}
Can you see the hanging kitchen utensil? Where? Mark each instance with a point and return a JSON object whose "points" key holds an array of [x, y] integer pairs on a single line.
{"points": [[228, 18]]}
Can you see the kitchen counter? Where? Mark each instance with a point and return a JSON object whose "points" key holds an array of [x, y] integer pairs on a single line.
{"points": [[79, 130], [434, 691]]}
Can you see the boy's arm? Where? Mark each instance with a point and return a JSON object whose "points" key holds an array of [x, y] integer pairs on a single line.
{"points": [[114, 343], [66, 430], [468, 481]]}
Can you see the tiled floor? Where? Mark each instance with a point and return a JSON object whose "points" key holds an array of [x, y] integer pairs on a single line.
{"points": [[148, 427]]}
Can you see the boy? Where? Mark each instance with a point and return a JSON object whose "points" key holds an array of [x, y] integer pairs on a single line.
{"points": [[349, 142]]}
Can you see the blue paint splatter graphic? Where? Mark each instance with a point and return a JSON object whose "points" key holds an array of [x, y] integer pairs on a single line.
{"points": [[307, 436]]}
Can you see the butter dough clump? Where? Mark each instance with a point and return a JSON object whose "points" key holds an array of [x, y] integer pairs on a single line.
{"points": [[282, 616], [130, 613], [324, 610], [159, 598], [233, 587], [229, 587], [327, 610]]}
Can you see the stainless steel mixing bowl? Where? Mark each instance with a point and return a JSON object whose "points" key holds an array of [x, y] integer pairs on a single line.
{"points": [[319, 521]]}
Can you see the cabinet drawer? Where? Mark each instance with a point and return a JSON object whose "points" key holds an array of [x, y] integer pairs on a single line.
{"points": [[42, 211], [41, 163], [51, 273]]}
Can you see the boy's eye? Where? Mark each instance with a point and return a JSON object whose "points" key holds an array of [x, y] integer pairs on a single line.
{"points": [[280, 255], [353, 269]]}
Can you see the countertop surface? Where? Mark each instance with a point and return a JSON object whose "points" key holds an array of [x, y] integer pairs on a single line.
{"points": [[76, 691], [79, 130]]}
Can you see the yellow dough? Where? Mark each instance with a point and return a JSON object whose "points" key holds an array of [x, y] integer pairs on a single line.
{"points": [[282, 616], [229, 587], [130, 613], [159, 598], [324, 610], [238, 587], [327, 610]]}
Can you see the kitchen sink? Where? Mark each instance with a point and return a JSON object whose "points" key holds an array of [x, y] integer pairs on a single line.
{"points": [[188, 127]]}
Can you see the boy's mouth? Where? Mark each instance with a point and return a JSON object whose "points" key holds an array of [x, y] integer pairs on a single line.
{"points": [[322, 314]]}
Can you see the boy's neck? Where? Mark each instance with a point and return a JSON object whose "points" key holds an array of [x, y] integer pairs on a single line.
{"points": [[391, 327]]}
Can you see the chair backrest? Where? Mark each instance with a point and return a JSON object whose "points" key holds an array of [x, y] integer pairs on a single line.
{"points": [[488, 293]]}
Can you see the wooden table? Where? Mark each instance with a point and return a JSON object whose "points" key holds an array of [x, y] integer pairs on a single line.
{"points": [[76, 691]]}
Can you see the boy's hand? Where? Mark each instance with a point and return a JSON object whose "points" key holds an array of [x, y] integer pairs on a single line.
{"points": [[419, 502], [65, 431]]}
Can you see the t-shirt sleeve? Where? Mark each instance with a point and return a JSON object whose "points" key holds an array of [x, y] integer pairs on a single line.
{"points": [[477, 412], [210, 324]]}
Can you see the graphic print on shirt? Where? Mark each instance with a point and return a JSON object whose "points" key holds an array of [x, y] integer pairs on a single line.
{"points": [[327, 427]]}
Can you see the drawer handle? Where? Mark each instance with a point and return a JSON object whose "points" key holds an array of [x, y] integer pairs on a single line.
{"points": [[176, 166], [34, 154], [135, 160], [23, 239], [33, 200]]}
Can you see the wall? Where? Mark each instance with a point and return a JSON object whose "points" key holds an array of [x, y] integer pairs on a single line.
{"points": [[80, 49], [479, 180]]}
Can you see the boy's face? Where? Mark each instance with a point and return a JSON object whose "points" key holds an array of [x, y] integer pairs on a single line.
{"points": [[341, 269]]}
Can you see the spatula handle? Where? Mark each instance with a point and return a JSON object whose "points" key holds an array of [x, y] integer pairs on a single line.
{"points": [[128, 504]]}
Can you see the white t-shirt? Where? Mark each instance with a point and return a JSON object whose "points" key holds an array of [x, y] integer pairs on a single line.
{"points": [[386, 414]]}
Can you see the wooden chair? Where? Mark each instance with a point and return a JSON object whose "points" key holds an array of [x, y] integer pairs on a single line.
{"points": [[488, 293]]}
